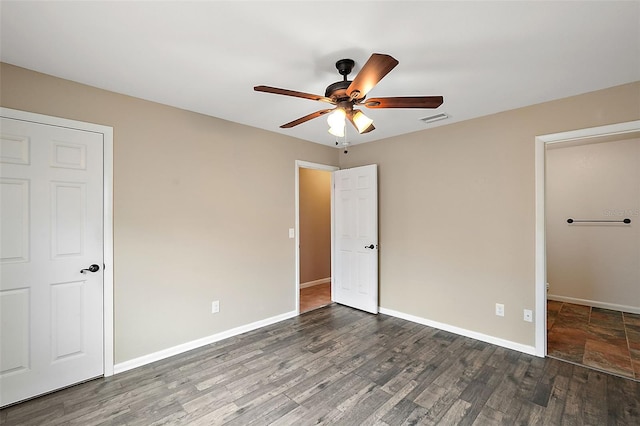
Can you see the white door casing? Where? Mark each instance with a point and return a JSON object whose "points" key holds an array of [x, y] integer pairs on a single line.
{"points": [[540, 228], [51, 226], [356, 238], [300, 164]]}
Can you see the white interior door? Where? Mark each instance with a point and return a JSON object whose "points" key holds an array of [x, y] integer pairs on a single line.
{"points": [[51, 227], [356, 238]]}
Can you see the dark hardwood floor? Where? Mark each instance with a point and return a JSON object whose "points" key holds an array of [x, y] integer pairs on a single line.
{"points": [[336, 365]]}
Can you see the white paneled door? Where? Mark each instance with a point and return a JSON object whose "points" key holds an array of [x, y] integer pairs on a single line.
{"points": [[51, 229], [356, 238]]}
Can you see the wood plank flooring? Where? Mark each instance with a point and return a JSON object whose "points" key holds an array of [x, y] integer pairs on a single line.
{"points": [[336, 365]]}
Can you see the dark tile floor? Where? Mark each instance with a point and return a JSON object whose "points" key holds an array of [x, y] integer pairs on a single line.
{"points": [[594, 337], [315, 297]]}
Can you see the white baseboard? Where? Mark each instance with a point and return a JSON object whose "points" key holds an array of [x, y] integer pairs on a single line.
{"points": [[595, 304], [166, 353], [316, 282], [531, 350]]}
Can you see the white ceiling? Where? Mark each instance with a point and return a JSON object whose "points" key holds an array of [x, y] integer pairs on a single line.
{"points": [[483, 57]]}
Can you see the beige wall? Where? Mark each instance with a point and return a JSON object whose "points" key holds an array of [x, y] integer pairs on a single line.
{"points": [[594, 262], [202, 209], [456, 213], [315, 225]]}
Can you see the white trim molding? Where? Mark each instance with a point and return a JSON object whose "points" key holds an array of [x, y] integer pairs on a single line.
{"points": [[527, 349], [315, 282], [107, 138], [595, 304], [194, 344]]}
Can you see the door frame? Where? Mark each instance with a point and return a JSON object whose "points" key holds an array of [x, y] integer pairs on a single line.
{"points": [[107, 138], [300, 164], [540, 236]]}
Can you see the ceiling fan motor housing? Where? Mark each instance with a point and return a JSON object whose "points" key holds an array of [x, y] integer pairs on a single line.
{"points": [[338, 90]]}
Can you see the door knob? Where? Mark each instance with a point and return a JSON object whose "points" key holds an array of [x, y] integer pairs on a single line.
{"points": [[92, 268], [370, 246]]}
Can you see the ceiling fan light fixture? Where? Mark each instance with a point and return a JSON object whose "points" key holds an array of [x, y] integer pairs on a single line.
{"points": [[337, 118], [361, 121], [337, 131], [336, 121]]}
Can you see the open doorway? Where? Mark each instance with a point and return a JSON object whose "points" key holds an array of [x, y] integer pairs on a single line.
{"points": [[586, 251], [314, 230], [593, 248]]}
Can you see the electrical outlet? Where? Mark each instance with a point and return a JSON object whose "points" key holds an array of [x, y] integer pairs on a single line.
{"points": [[292, 233], [215, 306], [528, 315], [499, 309]]}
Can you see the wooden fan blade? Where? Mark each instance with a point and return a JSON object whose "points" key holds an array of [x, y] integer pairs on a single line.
{"points": [[277, 91], [371, 73], [305, 118], [405, 102]]}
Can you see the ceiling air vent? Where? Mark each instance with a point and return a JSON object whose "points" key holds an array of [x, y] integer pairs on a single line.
{"points": [[432, 118]]}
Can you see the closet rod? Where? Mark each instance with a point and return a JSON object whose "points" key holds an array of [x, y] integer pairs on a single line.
{"points": [[607, 221]]}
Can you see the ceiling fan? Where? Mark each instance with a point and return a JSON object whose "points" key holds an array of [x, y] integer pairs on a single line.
{"points": [[346, 95]]}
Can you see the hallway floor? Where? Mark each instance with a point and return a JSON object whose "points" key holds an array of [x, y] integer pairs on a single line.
{"points": [[315, 297], [594, 337]]}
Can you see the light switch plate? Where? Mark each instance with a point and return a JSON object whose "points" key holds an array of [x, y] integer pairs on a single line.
{"points": [[292, 233]]}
